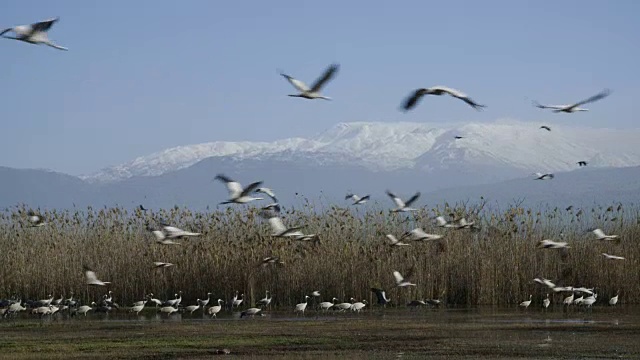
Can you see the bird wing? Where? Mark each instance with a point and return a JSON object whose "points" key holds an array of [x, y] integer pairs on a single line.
{"points": [[441, 221], [413, 199], [328, 74], [5, 31], [267, 191], [90, 276], [397, 277], [234, 187], [601, 95], [277, 225], [353, 197], [599, 233], [453, 92], [250, 188], [299, 85], [540, 106], [379, 294], [399, 203], [393, 239], [44, 25], [366, 197], [413, 98]]}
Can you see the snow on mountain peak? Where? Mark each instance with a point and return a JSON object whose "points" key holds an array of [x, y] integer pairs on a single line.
{"points": [[427, 146]]}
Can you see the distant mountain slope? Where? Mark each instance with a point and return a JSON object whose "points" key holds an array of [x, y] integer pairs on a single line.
{"points": [[517, 147]]}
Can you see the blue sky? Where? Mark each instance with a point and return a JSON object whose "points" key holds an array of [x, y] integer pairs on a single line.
{"points": [[142, 76]]}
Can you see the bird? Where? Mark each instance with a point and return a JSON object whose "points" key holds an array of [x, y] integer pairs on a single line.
{"points": [[546, 282], [612, 257], [358, 306], [35, 219], [92, 279], [540, 176], [326, 305], [600, 235], [302, 306], [400, 281], [582, 163], [395, 241], [142, 208], [545, 127], [160, 264], [278, 228], [418, 234], [35, 33], [546, 302], [458, 137], [271, 260], [168, 310], [614, 300], [315, 293], [172, 232], [381, 295], [412, 100], [441, 222], [251, 312], [192, 308], [264, 302], [314, 91], [574, 107], [401, 205], [205, 302], [550, 244], [525, 304], [275, 206], [357, 200], [214, 310], [238, 194]]}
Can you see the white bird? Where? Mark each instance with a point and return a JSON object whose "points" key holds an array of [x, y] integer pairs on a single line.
{"points": [[172, 232], [412, 100], [357, 200], [251, 312], [264, 302], [35, 33], [583, 290], [464, 224], [612, 257], [205, 302], [314, 91], [546, 302], [568, 300], [326, 305], [441, 222], [395, 241], [400, 281], [574, 107], [302, 306], [160, 264], [238, 194], [137, 308], [192, 308], [614, 300], [315, 293], [84, 309], [550, 244], [600, 235], [562, 288], [589, 300], [237, 300], [91, 278], [545, 282], [168, 310], [541, 176], [525, 304], [35, 219], [214, 310], [357, 306], [273, 206], [418, 234], [401, 205], [342, 306], [279, 230]]}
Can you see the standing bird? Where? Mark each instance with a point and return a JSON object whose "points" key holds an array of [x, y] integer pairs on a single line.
{"points": [[546, 302], [35, 33], [314, 91], [412, 100], [582, 163], [302, 306], [614, 300], [401, 205], [525, 304], [545, 127], [92, 279], [237, 194], [357, 200], [574, 107], [214, 310]]}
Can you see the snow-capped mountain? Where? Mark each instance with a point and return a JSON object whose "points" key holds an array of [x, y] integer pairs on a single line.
{"points": [[429, 147]]}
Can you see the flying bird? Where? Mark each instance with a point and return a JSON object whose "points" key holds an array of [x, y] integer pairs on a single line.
{"points": [[550, 244], [381, 295], [582, 163], [412, 100], [271, 260], [574, 107], [357, 200], [600, 235], [458, 137], [275, 206], [35, 33], [92, 279], [418, 234], [395, 241], [612, 257], [545, 127], [237, 194], [314, 91], [160, 264], [540, 176], [142, 208], [401, 205], [401, 281]]}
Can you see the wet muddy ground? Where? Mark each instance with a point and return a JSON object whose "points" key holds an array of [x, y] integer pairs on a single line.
{"points": [[480, 333]]}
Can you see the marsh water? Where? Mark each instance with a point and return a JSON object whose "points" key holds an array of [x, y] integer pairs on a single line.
{"points": [[376, 333]]}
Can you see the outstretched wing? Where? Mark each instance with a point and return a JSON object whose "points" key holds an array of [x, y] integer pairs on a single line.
{"points": [[250, 188], [601, 95], [411, 101], [328, 74], [399, 203], [299, 85], [234, 187], [398, 277], [43, 25], [413, 199]]}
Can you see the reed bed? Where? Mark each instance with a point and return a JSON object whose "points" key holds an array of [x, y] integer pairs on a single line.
{"points": [[494, 265]]}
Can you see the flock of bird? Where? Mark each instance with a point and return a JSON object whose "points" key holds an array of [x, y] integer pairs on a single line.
{"points": [[166, 234]]}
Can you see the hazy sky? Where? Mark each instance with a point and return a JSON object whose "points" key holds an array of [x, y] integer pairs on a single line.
{"points": [[143, 75]]}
